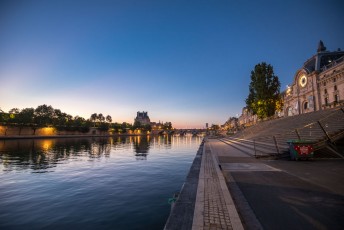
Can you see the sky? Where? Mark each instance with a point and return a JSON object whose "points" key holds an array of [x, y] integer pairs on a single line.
{"points": [[187, 62]]}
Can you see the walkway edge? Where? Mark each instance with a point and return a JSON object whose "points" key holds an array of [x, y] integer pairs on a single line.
{"points": [[199, 205], [233, 213], [182, 213]]}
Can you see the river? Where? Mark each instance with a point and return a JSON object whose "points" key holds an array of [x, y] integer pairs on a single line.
{"points": [[92, 183]]}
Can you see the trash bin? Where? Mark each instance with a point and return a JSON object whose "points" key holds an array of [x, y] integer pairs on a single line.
{"points": [[300, 149]]}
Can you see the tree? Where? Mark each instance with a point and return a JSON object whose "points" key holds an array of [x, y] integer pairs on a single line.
{"points": [[44, 115], [109, 118], [4, 117], [94, 117], [14, 115], [78, 121], [167, 126], [215, 127], [57, 118], [264, 91], [126, 126], [137, 125], [81, 124], [103, 126], [147, 127], [14, 111], [26, 116], [101, 117], [117, 127]]}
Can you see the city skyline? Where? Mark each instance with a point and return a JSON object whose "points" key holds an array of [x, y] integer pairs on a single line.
{"points": [[186, 63]]}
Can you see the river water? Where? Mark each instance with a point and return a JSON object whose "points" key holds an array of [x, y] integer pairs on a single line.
{"points": [[92, 183]]}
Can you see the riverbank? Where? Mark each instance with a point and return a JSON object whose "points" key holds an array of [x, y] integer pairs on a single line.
{"points": [[13, 132], [181, 216], [204, 201], [69, 136]]}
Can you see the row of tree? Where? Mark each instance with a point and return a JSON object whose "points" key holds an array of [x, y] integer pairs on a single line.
{"points": [[44, 116]]}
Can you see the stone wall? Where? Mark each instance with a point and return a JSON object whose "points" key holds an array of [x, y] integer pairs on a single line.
{"points": [[47, 131]]}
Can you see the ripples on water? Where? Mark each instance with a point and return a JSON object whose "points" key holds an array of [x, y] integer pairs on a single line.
{"points": [[95, 183]]}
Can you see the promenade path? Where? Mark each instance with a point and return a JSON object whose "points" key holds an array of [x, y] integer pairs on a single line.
{"points": [[278, 194], [204, 202], [214, 207]]}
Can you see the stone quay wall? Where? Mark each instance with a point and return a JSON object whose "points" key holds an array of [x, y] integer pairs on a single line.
{"points": [[15, 131]]}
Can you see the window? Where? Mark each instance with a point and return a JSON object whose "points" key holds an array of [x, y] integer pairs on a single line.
{"points": [[324, 83], [305, 105], [336, 98], [313, 103], [326, 101], [334, 79], [325, 91], [290, 111], [335, 88]]}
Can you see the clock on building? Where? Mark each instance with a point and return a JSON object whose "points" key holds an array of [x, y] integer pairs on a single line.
{"points": [[303, 81]]}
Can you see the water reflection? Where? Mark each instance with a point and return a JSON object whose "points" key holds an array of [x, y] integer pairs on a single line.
{"points": [[141, 144], [42, 155]]}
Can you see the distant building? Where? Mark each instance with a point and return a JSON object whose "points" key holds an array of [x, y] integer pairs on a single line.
{"points": [[231, 123], [247, 118], [143, 118], [317, 85], [156, 126]]}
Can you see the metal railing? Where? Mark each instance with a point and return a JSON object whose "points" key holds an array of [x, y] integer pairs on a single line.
{"points": [[328, 128]]}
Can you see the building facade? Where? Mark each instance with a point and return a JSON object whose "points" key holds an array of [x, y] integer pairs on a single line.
{"points": [[143, 118], [318, 85], [247, 118]]}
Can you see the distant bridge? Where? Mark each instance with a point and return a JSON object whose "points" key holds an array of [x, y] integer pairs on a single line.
{"points": [[181, 132]]}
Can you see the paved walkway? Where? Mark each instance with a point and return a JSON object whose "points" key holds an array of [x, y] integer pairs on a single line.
{"points": [[214, 208], [229, 189], [283, 194]]}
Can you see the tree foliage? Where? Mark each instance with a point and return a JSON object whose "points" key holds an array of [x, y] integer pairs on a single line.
{"points": [[43, 116], [167, 126], [264, 91], [26, 116], [143, 127], [108, 118], [101, 118], [215, 127], [94, 117], [47, 116]]}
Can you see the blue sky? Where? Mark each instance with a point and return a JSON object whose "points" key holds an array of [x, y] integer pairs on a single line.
{"points": [[187, 62]]}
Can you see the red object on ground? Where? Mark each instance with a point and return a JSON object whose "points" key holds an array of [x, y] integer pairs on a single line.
{"points": [[303, 149]]}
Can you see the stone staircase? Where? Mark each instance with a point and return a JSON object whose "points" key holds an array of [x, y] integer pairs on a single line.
{"points": [[269, 138]]}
